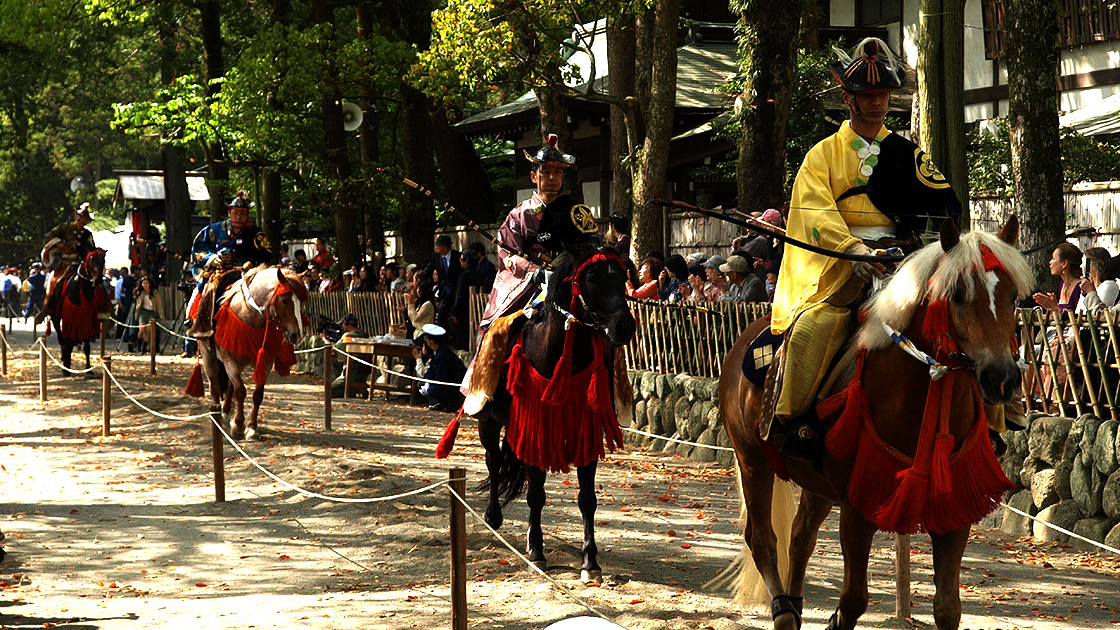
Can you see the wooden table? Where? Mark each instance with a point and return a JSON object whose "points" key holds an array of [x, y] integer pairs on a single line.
{"points": [[381, 349]]}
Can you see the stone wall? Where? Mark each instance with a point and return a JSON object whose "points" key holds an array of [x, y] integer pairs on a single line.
{"points": [[681, 407], [1068, 474]]}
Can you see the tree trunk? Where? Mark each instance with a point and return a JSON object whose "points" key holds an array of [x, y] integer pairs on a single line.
{"points": [[648, 229], [941, 92], [464, 178], [338, 160], [270, 210], [176, 197], [217, 173], [1032, 65], [768, 36], [373, 219], [621, 52], [417, 217]]}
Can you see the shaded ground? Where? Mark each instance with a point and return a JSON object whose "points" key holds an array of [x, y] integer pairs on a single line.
{"points": [[123, 532]]}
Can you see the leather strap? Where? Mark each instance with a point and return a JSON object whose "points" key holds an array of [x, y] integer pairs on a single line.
{"points": [[782, 604]]}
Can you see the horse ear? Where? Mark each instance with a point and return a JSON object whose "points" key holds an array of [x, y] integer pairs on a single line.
{"points": [[280, 276], [949, 235], [1009, 233]]}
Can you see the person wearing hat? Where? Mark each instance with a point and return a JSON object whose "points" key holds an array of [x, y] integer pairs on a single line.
{"points": [[837, 204], [361, 371], [36, 290], [67, 243], [717, 282], [438, 362], [745, 286], [219, 247]]}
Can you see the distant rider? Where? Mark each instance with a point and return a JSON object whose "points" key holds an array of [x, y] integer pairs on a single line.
{"points": [[66, 244]]}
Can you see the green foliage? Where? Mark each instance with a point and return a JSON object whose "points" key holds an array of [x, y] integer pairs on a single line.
{"points": [[1083, 160]]}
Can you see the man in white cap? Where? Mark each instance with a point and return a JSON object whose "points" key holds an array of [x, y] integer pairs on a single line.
{"points": [[67, 243], [443, 365]]}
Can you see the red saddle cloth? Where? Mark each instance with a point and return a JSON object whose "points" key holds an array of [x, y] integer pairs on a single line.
{"points": [[246, 342], [79, 321], [571, 424]]}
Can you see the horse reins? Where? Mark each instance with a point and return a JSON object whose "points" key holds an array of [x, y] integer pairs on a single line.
{"points": [[577, 295]]}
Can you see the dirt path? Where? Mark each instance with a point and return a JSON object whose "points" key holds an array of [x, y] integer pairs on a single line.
{"points": [[123, 533]]}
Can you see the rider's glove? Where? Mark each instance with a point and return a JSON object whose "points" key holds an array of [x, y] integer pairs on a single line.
{"points": [[865, 271], [214, 262]]}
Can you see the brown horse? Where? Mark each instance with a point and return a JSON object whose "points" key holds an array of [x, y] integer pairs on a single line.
{"points": [[82, 303], [954, 300], [258, 320]]}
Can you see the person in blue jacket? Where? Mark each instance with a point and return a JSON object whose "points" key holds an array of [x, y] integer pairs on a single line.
{"points": [[442, 365]]}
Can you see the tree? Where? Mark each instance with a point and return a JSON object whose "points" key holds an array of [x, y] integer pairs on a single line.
{"points": [[768, 39], [940, 91], [1032, 65]]}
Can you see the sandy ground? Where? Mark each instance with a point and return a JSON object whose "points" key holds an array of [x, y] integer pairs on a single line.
{"points": [[123, 532]]}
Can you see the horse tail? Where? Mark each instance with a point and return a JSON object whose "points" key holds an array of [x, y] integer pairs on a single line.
{"points": [[511, 475], [748, 588]]}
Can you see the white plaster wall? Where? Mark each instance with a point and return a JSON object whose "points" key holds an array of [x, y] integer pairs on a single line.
{"points": [[1092, 57], [1076, 99], [842, 13], [977, 69], [908, 47]]}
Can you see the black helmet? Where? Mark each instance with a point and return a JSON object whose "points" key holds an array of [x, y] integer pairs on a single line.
{"points": [[239, 201], [549, 154], [871, 66]]}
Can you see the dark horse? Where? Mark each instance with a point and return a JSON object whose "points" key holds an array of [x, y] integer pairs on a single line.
{"points": [[259, 318], [908, 452], [560, 395], [84, 302]]}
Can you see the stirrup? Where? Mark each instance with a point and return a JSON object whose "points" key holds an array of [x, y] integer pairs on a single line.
{"points": [[782, 604]]}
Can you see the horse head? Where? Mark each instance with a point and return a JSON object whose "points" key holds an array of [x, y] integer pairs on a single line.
{"points": [[286, 305], [594, 290], [960, 293], [93, 266]]}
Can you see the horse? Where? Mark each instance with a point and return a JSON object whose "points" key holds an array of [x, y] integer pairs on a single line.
{"points": [[954, 301], [83, 303], [562, 395], [259, 318]]}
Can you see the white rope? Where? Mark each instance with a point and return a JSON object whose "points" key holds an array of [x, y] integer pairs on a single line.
{"points": [[160, 324], [309, 493], [5, 337], [401, 374], [662, 437], [126, 325], [1062, 530], [309, 350], [532, 566], [147, 408], [56, 361]]}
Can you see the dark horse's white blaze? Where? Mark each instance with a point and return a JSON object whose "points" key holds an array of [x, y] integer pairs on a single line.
{"points": [[254, 300], [603, 314]]}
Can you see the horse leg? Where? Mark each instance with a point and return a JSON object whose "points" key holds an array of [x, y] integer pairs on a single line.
{"points": [[490, 434], [236, 394], [535, 497], [85, 348], [251, 429], [590, 571], [66, 349], [811, 512], [947, 552], [856, 534]]}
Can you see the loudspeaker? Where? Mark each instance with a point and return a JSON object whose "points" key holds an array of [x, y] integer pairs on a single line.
{"points": [[351, 116]]}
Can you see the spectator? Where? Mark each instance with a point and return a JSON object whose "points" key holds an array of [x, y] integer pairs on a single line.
{"points": [[1065, 264], [745, 285], [445, 261], [461, 305], [332, 280], [322, 256], [618, 234], [673, 279], [717, 284], [300, 261], [694, 290], [396, 279], [1099, 289], [420, 306], [438, 362], [648, 274], [36, 290], [312, 277], [9, 286], [486, 268], [149, 306], [361, 371], [410, 274], [772, 278], [124, 294], [353, 278]]}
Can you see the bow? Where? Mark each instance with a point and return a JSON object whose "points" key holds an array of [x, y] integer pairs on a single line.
{"points": [[544, 263]]}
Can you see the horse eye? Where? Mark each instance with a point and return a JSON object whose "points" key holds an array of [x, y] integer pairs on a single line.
{"points": [[960, 296]]}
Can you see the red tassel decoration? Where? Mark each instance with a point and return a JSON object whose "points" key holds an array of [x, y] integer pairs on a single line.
{"points": [[940, 477], [902, 513], [844, 437], [194, 384], [447, 442], [936, 322], [558, 384]]}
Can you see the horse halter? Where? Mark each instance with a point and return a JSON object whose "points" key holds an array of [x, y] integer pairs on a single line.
{"points": [[277, 292], [574, 279]]}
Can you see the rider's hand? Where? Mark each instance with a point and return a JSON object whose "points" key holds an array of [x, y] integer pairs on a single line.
{"points": [[865, 270], [214, 262]]}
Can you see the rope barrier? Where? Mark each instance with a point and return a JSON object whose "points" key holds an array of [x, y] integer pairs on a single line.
{"points": [[59, 364], [525, 560], [1062, 530], [172, 332], [401, 374], [147, 408], [124, 324], [669, 439]]}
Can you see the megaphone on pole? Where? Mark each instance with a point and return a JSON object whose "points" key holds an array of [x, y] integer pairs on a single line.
{"points": [[351, 116]]}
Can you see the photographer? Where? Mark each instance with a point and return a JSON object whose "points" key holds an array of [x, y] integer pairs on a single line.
{"points": [[361, 371], [436, 361]]}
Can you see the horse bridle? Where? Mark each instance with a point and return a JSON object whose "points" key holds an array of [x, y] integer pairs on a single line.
{"points": [[261, 309], [577, 295]]}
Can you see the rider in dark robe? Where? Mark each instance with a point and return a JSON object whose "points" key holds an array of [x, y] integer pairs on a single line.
{"points": [[66, 244], [218, 253]]}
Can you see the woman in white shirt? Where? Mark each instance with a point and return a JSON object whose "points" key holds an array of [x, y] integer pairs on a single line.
{"points": [[148, 307], [1099, 288]]}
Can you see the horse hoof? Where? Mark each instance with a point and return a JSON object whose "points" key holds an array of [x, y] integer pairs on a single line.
{"points": [[237, 435], [594, 576], [541, 564], [252, 435], [494, 520]]}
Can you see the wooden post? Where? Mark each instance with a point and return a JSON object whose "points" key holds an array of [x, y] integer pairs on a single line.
{"points": [[458, 478], [902, 576], [106, 393], [327, 386], [3, 350], [42, 370], [216, 446], [152, 345], [104, 330]]}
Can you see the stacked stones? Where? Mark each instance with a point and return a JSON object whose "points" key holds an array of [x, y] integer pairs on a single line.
{"points": [[1068, 472], [681, 407]]}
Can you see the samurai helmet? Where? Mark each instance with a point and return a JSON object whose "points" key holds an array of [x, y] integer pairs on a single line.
{"points": [[870, 66], [549, 154], [83, 211], [239, 201]]}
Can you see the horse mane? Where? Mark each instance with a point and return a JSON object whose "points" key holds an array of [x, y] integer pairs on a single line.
{"points": [[293, 280], [932, 274]]}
